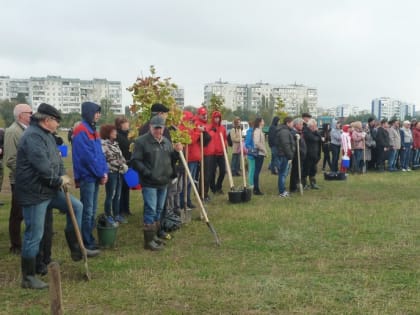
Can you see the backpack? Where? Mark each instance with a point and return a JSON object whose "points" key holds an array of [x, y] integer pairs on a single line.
{"points": [[229, 140], [249, 139]]}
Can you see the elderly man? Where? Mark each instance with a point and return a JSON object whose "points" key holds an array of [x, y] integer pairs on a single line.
{"points": [[313, 153], [153, 157], [22, 114], [40, 175]]}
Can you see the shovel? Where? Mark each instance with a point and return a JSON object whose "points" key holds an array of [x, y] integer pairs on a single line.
{"points": [[299, 166], [234, 196], [203, 211], [246, 195], [77, 231]]}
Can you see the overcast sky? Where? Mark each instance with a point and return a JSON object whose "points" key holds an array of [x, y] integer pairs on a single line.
{"points": [[351, 51]]}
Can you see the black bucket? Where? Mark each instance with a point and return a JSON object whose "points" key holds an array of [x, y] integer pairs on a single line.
{"points": [[235, 196], [246, 194]]}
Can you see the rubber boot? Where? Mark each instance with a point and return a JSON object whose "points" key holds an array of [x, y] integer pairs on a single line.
{"points": [[40, 266], [75, 252], [29, 281], [149, 231], [313, 183], [156, 238]]}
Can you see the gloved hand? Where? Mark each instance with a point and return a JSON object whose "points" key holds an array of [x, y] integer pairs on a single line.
{"points": [[124, 168], [214, 129], [364, 134], [65, 181], [298, 136]]}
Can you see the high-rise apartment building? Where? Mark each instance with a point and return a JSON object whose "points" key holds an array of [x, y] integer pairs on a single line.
{"points": [[386, 107], [66, 94], [297, 98]]}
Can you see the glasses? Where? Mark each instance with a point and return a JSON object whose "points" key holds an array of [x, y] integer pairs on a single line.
{"points": [[56, 119], [27, 113]]}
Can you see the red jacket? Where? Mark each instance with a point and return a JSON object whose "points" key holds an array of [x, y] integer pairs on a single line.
{"points": [[209, 148], [218, 129], [416, 138], [194, 154]]}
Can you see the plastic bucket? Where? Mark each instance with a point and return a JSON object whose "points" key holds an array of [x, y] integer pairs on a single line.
{"points": [[107, 235], [131, 178], [345, 162], [246, 194], [63, 150], [235, 196]]}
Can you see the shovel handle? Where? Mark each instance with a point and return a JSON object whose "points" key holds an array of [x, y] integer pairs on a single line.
{"points": [[228, 169]]}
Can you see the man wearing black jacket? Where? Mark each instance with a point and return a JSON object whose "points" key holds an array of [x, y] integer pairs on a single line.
{"points": [[382, 144], [313, 155]]}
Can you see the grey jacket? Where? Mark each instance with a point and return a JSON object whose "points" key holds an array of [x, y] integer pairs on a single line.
{"points": [[11, 140]]}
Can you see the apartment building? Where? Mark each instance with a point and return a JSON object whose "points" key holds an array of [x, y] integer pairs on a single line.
{"points": [[386, 107], [253, 96], [66, 94]]}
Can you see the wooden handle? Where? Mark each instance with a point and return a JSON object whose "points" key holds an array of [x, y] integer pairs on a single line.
{"points": [[229, 171], [242, 161]]}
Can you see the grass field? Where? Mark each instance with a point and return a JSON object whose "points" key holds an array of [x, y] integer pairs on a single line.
{"points": [[350, 248]]}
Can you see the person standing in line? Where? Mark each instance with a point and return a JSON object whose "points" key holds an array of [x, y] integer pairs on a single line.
{"points": [[326, 145], [217, 128], [382, 144], [40, 177], [123, 126], [22, 114], [117, 166], [313, 155], [358, 144], [406, 145], [153, 157], [271, 143], [259, 143], [394, 144], [235, 136], [285, 147], [335, 146], [297, 133], [90, 168]]}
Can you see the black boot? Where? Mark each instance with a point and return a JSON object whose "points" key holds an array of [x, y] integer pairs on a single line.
{"points": [[313, 183], [40, 266], [76, 253], [149, 231], [157, 239], [29, 281]]}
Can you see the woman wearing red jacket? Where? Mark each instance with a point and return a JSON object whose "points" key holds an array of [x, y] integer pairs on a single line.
{"points": [[416, 144], [219, 160]]}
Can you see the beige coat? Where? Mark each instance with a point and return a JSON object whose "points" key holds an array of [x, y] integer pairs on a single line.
{"points": [[11, 139]]}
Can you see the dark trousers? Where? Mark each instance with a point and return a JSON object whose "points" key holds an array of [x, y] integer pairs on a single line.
{"points": [[209, 170], [15, 222], [309, 168], [294, 174], [335, 150], [125, 199], [219, 162], [380, 157], [259, 160]]}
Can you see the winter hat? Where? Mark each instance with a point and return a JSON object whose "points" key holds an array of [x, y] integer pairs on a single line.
{"points": [[346, 128], [159, 108], [49, 110]]}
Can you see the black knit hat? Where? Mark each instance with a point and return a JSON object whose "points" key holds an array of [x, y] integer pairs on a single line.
{"points": [[159, 108], [49, 110]]}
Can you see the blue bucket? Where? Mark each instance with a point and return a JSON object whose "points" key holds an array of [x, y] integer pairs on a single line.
{"points": [[345, 162], [63, 150], [131, 178]]}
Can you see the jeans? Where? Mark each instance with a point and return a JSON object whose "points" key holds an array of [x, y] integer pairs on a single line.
{"points": [[273, 165], [405, 156], [154, 202], [113, 194], [416, 157], [335, 150], [259, 160], [358, 153], [251, 171], [89, 198], [236, 163], [392, 160], [34, 217], [193, 167], [282, 166]]}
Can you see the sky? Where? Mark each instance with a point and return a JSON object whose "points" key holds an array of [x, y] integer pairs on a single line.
{"points": [[351, 51]]}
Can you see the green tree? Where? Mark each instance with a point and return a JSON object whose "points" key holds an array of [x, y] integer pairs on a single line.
{"points": [[149, 90], [6, 112], [107, 115], [304, 107]]}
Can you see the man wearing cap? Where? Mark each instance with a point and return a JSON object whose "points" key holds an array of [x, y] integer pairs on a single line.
{"points": [[160, 110], [153, 157], [40, 175], [90, 168]]}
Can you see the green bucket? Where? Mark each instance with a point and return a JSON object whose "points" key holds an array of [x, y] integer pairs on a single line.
{"points": [[107, 235]]}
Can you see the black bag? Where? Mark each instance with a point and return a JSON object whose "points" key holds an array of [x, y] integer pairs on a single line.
{"points": [[229, 140], [171, 221], [335, 176]]}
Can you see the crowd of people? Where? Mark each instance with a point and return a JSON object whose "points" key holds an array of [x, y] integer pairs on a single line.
{"points": [[39, 180]]}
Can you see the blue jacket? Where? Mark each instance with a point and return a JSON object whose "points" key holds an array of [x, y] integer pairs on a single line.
{"points": [[89, 163]]}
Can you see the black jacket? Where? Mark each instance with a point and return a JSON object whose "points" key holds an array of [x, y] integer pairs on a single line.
{"points": [[284, 142], [382, 137], [272, 132], [313, 144], [153, 160], [38, 166], [124, 143]]}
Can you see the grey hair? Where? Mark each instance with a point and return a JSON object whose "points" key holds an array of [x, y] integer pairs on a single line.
{"points": [[19, 108], [297, 121], [311, 122]]}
